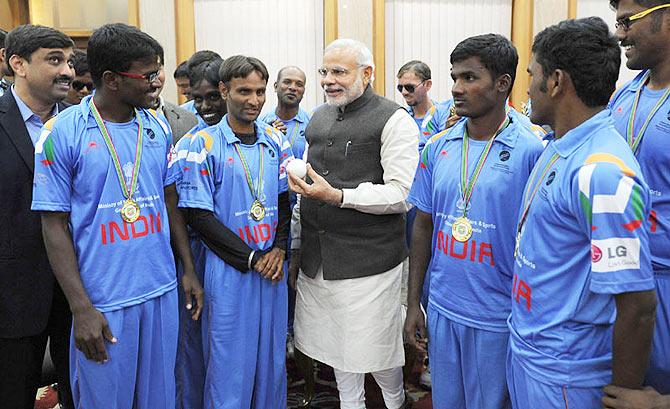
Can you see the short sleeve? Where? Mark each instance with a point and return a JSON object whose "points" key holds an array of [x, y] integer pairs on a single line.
{"points": [[198, 184], [614, 204], [285, 155], [52, 182], [421, 195]]}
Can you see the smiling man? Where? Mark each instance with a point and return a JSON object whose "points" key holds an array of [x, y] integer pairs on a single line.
{"points": [[641, 111], [32, 306], [109, 213], [236, 186], [350, 239]]}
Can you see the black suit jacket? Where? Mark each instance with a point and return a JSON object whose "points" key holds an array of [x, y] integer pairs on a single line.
{"points": [[26, 280]]}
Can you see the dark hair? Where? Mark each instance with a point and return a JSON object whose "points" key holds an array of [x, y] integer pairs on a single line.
{"points": [[80, 62], [114, 47], [200, 57], [181, 70], [26, 39], [419, 68], [645, 3], [587, 51], [208, 71], [240, 66], [3, 35], [496, 52]]}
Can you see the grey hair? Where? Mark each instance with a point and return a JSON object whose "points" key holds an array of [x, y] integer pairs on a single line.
{"points": [[364, 57]]}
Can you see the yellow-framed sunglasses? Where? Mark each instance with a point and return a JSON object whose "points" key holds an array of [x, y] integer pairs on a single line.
{"points": [[625, 23]]}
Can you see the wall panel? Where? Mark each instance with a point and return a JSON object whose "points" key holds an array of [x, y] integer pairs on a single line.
{"points": [[280, 33], [428, 30]]}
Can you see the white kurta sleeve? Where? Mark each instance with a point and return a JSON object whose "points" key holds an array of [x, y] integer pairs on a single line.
{"points": [[399, 158]]}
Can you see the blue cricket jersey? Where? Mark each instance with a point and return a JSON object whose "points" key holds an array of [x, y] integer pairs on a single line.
{"points": [[470, 282], [433, 122], [214, 180], [121, 264], [653, 154], [583, 241], [295, 129]]}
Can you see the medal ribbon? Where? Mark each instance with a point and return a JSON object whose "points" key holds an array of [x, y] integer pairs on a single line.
{"points": [[468, 187], [632, 139], [295, 132], [425, 124], [127, 191], [528, 200], [247, 171]]}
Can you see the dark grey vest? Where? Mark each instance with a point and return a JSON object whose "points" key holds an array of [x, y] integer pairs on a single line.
{"points": [[344, 148]]}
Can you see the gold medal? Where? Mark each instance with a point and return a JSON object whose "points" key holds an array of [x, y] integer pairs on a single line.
{"points": [[257, 211], [461, 229], [130, 211]]}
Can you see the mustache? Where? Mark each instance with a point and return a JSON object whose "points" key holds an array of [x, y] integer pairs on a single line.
{"points": [[64, 78]]}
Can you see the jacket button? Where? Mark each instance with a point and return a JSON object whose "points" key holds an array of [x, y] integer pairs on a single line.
{"points": [[322, 231], [330, 143], [326, 172]]}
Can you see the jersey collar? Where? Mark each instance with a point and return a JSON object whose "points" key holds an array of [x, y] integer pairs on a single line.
{"points": [[507, 137], [263, 132], [576, 137], [637, 82], [85, 110]]}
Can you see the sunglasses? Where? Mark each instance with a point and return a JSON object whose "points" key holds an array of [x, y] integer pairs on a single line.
{"points": [[625, 23], [409, 87], [79, 85]]}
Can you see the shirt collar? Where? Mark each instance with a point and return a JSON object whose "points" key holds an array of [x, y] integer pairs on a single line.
{"points": [[576, 137], [26, 112], [263, 131], [507, 137], [302, 116], [639, 81], [410, 110], [91, 123]]}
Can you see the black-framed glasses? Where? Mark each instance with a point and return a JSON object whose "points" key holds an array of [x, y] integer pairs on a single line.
{"points": [[79, 85], [150, 77], [409, 87], [625, 23]]}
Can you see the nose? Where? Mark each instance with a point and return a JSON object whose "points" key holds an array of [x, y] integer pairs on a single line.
{"points": [[621, 33], [457, 88]]}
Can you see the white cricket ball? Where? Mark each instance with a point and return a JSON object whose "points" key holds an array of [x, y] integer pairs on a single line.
{"points": [[297, 168]]}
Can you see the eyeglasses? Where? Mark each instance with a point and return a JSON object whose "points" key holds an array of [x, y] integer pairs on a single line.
{"points": [[336, 72], [150, 77], [409, 87], [79, 85], [625, 23]]}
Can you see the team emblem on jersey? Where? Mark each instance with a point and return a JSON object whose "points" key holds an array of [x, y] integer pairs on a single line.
{"points": [[551, 177], [150, 133], [504, 156]]}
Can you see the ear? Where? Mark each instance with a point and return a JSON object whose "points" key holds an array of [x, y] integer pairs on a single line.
{"points": [[18, 65], [367, 75], [223, 89], [427, 84], [504, 84], [111, 81], [275, 86], [558, 83]]}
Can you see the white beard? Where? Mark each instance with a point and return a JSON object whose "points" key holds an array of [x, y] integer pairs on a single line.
{"points": [[350, 94]]}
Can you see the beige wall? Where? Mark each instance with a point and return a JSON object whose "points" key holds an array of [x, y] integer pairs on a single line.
{"points": [[157, 19]]}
